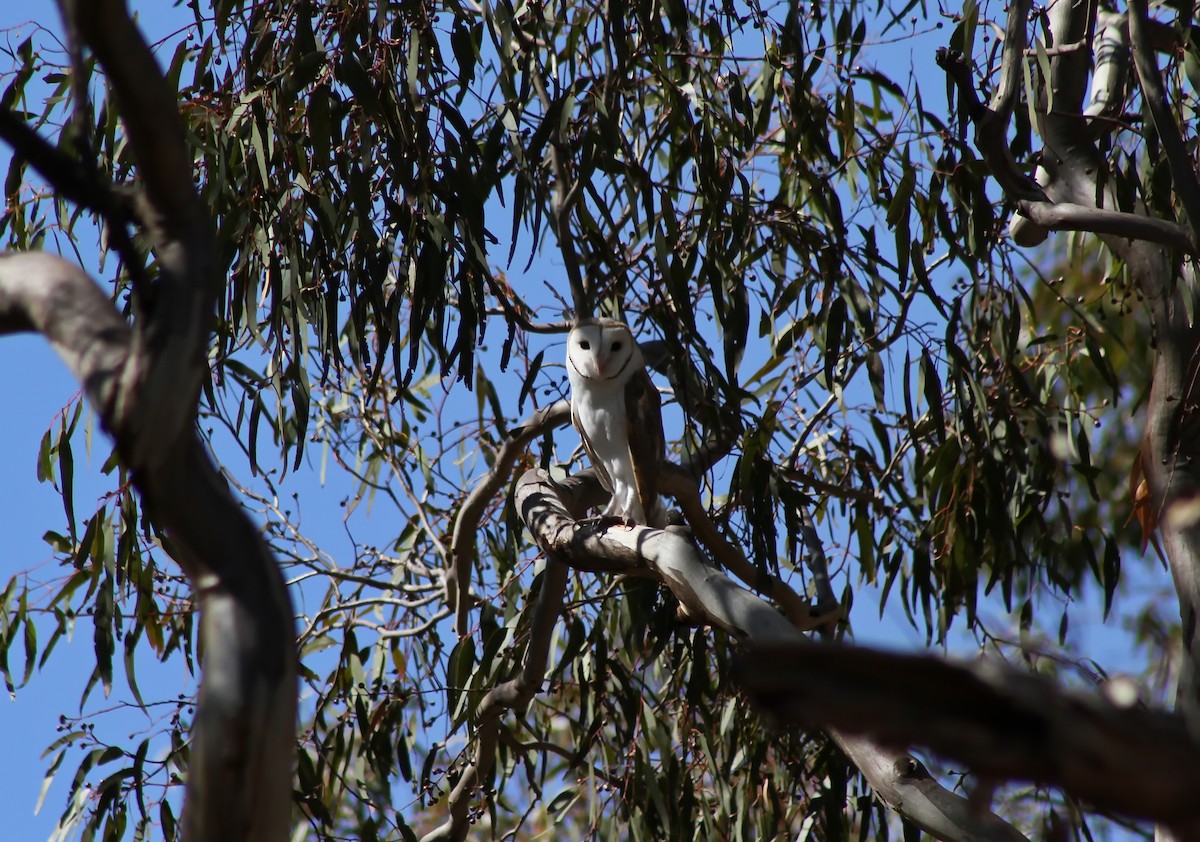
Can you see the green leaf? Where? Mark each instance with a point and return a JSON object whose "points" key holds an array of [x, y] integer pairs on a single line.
{"points": [[48, 779], [902, 200]]}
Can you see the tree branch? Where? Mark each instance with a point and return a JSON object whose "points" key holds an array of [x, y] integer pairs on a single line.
{"points": [[144, 384], [710, 596], [463, 552], [172, 336], [991, 123], [46, 294], [1069, 158], [681, 485], [1183, 174], [705, 592], [243, 739], [73, 181], [1067, 216], [1004, 723]]}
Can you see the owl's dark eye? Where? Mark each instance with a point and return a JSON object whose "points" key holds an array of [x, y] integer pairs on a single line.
{"points": [[616, 346], [585, 345]]}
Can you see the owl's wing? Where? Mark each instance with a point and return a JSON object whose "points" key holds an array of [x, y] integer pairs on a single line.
{"points": [[647, 447], [597, 463]]}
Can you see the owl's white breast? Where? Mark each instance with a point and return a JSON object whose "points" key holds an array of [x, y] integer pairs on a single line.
{"points": [[600, 408]]}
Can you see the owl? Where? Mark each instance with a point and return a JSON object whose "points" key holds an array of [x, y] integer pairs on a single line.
{"points": [[618, 413]]}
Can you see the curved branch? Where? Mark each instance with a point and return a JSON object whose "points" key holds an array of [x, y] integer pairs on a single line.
{"points": [[463, 552], [243, 739], [1067, 216], [172, 333], [149, 107], [681, 485], [991, 123], [705, 592], [46, 294], [1065, 196]]}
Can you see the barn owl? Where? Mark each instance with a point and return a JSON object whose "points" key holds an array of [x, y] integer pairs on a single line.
{"points": [[617, 411]]}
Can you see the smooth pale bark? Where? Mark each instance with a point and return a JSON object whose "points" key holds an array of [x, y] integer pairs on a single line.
{"points": [[243, 739]]}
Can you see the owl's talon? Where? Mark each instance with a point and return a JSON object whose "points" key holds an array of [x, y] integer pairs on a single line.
{"points": [[604, 521]]}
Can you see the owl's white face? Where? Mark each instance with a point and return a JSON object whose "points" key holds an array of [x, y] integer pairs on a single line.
{"points": [[603, 351]]}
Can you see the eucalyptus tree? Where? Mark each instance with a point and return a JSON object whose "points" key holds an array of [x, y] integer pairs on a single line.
{"points": [[342, 244]]}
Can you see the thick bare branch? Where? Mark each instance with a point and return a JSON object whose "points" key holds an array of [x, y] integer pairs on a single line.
{"points": [[148, 105], [1004, 723], [46, 294], [1067, 216], [144, 382], [1110, 78], [172, 335], [243, 740], [1065, 196], [705, 592], [904, 784]]}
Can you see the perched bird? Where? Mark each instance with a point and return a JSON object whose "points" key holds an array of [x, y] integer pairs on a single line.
{"points": [[618, 413]]}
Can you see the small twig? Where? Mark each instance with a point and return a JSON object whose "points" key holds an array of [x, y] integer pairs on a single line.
{"points": [[523, 321]]}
